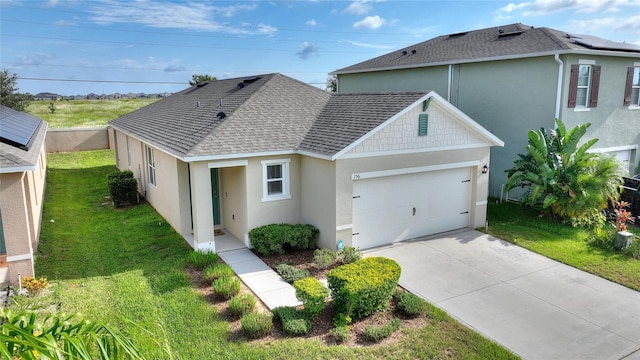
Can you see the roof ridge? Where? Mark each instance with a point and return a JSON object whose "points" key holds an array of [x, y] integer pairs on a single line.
{"points": [[547, 31]]}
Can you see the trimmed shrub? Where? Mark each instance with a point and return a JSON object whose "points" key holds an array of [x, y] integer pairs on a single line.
{"points": [[290, 273], [201, 260], [378, 333], [272, 239], [242, 304], [341, 333], [350, 254], [216, 271], [323, 258], [363, 287], [256, 324], [294, 322], [123, 188], [312, 294], [410, 304], [226, 287]]}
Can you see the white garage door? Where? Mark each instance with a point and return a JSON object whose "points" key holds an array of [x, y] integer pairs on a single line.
{"points": [[400, 207]]}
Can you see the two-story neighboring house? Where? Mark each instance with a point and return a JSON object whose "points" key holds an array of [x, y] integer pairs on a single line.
{"points": [[516, 78]]}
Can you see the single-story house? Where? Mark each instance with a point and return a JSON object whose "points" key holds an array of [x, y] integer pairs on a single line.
{"points": [[23, 163], [365, 169]]}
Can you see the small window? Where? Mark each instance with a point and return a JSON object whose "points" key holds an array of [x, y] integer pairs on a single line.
{"points": [[584, 84], [275, 179], [151, 166], [423, 124], [632, 88]]}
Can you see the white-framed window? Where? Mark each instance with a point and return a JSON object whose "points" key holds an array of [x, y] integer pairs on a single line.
{"points": [[275, 180], [632, 87], [584, 85], [151, 166]]}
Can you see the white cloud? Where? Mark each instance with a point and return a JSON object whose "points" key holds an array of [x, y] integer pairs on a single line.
{"points": [[311, 22], [189, 16], [308, 50], [541, 7], [358, 8], [370, 22], [369, 45], [626, 25], [511, 7]]}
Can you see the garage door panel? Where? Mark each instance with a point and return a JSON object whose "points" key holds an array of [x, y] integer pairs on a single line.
{"points": [[383, 207]]}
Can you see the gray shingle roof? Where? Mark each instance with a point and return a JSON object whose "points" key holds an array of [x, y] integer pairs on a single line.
{"points": [[274, 113], [12, 158], [348, 117], [496, 42]]}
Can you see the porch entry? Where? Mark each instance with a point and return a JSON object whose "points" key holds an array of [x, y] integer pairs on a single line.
{"points": [[215, 195]]}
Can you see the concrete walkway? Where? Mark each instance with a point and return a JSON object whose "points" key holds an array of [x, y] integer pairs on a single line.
{"points": [[534, 306], [260, 278]]}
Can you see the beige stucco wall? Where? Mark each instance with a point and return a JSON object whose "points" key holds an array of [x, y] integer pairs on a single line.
{"points": [[318, 185], [21, 197], [233, 200], [79, 139], [270, 212]]}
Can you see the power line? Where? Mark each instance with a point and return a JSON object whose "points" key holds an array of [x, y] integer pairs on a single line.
{"points": [[107, 81]]}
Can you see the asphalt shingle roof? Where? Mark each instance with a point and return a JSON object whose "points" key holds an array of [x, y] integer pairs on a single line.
{"points": [[273, 113], [14, 157], [496, 42]]}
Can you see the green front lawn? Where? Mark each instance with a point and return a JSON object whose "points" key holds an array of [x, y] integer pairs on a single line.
{"points": [[122, 265], [523, 226]]}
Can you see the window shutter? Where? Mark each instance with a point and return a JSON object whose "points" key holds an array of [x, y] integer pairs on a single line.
{"points": [[627, 87], [595, 86], [573, 85], [423, 124]]}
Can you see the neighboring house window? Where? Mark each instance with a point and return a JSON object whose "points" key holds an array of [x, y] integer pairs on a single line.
{"points": [[151, 164], [275, 180], [584, 84], [632, 88]]}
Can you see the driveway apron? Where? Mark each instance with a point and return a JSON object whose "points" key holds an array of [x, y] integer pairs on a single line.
{"points": [[536, 307]]}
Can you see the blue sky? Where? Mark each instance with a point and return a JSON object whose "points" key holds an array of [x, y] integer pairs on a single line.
{"points": [[157, 45]]}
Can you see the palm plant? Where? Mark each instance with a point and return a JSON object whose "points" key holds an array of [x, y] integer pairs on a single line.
{"points": [[561, 177]]}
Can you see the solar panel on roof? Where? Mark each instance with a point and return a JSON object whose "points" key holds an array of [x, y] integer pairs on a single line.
{"points": [[18, 129], [602, 44]]}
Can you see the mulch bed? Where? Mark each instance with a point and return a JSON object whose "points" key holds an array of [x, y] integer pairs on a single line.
{"points": [[321, 327]]}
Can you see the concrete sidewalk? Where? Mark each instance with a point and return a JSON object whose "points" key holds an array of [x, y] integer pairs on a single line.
{"points": [[534, 306], [260, 278]]}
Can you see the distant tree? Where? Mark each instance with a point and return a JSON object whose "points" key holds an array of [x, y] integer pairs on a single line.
{"points": [[9, 95], [332, 84], [52, 107], [199, 78]]}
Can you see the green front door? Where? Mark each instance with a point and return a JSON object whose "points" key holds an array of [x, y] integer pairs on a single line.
{"points": [[215, 196]]}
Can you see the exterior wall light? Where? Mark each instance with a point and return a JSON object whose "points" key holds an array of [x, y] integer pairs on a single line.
{"points": [[485, 169]]}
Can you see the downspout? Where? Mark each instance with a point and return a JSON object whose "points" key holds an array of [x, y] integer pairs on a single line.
{"points": [[556, 57], [449, 79]]}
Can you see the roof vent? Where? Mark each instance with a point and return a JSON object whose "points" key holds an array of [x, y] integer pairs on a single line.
{"points": [[413, 51], [457, 35], [197, 103], [240, 85], [512, 33], [404, 52], [251, 80], [201, 84], [221, 115]]}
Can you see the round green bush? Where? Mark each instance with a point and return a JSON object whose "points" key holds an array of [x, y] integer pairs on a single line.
{"points": [[296, 327], [242, 304], [256, 324], [226, 287], [341, 333], [216, 271], [290, 274], [323, 258], [410, 304]]}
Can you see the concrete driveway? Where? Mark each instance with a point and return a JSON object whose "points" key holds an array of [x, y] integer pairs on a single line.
{"points": [[534, 306]]}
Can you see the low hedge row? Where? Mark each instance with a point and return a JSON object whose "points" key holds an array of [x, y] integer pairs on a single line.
{"points": [[361, 288], [123, 188], [272, 239]]}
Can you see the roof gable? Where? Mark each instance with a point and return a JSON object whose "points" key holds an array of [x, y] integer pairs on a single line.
{"points": [[448, 128], [514, 40]]}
